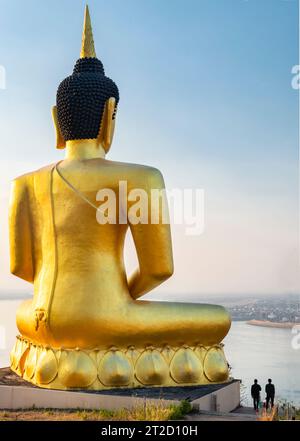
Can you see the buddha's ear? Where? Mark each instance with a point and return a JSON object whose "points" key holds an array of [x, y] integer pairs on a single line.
{"points": [[60, 142], [107, 127]]}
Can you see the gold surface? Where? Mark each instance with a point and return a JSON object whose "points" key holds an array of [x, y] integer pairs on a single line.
{"points": [[85, 326], [96, 369], [87, 45]]}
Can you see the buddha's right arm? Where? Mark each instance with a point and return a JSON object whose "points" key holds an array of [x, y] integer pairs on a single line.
{"points": [[20, 237], [140, 283], [153, 245]]}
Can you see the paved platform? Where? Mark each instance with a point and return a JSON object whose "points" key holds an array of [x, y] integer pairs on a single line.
{"points": [[16, 393], [239, 414]]}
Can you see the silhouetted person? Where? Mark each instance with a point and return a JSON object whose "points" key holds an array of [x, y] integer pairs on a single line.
{"points": [[270, 391], [255, 394]]}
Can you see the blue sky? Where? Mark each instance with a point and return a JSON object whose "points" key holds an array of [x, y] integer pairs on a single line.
{"points": [[205, 95]]}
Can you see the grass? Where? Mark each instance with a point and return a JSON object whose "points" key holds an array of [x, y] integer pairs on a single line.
{"points": [[283, 411], [288, 411], [148, 411], [270, 415]]}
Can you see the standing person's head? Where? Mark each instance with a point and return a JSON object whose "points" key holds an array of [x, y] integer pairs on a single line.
{"points": [[255, 381], [269, 381]]}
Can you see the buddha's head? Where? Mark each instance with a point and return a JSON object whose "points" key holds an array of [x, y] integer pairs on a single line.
{"points": [[86, 101]]}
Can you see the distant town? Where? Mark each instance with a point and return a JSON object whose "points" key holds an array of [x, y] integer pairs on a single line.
{"points": [[283, 309]]}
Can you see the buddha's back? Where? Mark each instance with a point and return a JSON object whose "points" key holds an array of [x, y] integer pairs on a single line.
{"points": [[90, 253], [77, 261], [90, 267]]}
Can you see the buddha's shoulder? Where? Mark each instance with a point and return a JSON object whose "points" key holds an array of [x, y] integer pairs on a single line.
{"points": [[29, 176], [134, 172]]}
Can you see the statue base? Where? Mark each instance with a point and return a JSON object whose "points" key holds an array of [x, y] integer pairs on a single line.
{"points": [[131, 367], [16, 393]]}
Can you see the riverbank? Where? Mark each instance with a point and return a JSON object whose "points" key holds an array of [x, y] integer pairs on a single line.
{"points": [[268, 324]]}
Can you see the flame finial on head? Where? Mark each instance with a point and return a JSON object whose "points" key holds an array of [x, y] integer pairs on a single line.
{"points": [[87, 45]]}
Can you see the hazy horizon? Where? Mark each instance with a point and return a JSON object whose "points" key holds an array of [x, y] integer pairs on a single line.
{"points": [[181, 296]]}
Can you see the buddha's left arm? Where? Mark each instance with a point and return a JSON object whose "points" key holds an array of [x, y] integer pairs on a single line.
{"points": [[152, 241], [20, 237]]}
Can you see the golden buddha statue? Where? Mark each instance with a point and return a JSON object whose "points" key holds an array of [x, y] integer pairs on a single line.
{"points": [[86, 326]]}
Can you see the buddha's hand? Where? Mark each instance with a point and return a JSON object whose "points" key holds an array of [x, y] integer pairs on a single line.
{"points": [[40, 316]]}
